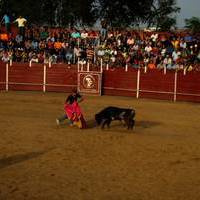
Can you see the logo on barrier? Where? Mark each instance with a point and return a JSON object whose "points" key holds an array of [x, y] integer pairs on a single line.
{"points": [[89, 82]]}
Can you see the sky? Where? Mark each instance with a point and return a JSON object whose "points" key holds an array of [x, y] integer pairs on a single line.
{"points": [[189, 8]]}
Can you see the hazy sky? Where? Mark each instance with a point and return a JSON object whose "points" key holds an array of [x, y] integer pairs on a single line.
{"points": [[189, 8]]}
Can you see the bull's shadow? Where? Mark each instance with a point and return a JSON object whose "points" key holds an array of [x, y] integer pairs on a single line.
{"points": [[91, 123], [146, 124]]}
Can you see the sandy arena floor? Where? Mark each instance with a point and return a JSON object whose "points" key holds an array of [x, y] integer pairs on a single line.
{"points": [[158, 160]]}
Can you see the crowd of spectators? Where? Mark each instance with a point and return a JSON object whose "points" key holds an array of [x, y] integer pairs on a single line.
{"points": [[177, 50]]}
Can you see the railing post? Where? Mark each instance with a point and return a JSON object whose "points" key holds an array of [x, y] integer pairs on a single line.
{"points": [[107, 66], [88, 66], [78, 64], [184, 71], [6, 76], [138, 84], [145, 68], [44, 78], [175, 85], [126, 68], [165, 69], [10, 62]]}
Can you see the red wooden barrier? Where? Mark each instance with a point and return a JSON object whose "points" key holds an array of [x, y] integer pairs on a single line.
{"points": [[188, 86], [23, 77], [2, 76], [156, 84], [119, 82], [60, 78]]}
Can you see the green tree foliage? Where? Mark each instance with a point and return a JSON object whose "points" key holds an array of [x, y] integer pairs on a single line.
{"points": [[27, 8], [161, 13], [167, 24], [79, 11], [193, 24], [120, 13], [123, 12]]}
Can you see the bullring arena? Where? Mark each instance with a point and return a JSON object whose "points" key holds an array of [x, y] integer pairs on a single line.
{"points": [[159, 159]]}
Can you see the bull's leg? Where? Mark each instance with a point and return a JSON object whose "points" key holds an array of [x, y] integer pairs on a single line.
{"points": [[126, 122], [108, 123], [104, 122], [131, 124]]}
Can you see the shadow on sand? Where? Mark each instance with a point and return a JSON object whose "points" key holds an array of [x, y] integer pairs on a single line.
{"points": [[12, 160]]}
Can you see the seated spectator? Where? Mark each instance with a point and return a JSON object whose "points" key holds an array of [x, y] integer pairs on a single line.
{"points": [[5, 57], [53, 59], [18, 55], [84, 34], [34, 58], [40, 56], [24, 56], [44, 33], [34, 45], [75, 33], [19, 40], [151, 64], [69, 54], [90, 54]]}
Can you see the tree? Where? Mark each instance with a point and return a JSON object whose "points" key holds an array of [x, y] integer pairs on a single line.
{"points": [[119, 13], [193, 24], [26, 8], [167, 24], [77, 12], [122, 13], [129, 12], [161, 13]]}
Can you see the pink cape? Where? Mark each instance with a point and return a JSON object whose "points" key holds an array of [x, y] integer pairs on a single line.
{"points": [[73, 111]]}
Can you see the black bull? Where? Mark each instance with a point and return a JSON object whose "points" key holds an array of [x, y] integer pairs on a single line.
{"points": [[110, 113]]}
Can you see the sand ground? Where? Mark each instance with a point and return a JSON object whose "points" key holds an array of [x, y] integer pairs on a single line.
{"points": [[158, 160]]}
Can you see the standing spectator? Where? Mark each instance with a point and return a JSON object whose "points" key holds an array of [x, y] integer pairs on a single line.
{"points": [[21, 25], [6, 21], [103, 30]]}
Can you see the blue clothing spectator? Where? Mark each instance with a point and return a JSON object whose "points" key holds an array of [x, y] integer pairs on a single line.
{"points": [[6, 20]]}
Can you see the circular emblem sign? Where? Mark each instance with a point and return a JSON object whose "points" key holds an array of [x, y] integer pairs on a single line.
{"points": [[89, 82]]}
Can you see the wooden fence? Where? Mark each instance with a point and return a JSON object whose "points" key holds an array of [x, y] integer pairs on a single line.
{"points": [[155, 84]]}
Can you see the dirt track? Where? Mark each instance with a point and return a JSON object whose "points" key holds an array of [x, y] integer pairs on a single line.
{"points": [[158, 160]]}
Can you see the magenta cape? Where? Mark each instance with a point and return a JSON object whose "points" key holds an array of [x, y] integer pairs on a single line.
{"points": [[73, 111]]}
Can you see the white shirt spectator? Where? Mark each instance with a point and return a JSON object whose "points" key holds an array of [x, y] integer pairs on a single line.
{"points": [[154, 37], [21, 21], [84, 35], [148, 48]]}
